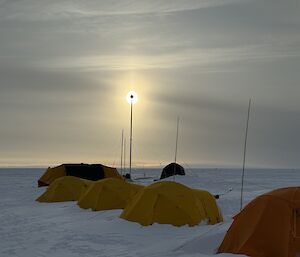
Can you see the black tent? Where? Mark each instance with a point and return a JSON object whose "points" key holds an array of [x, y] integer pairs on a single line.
{"points": [[172, 169]]}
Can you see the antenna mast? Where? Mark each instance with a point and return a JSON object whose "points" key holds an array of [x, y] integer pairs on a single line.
{"points": [[124, 159], [245, 149], [174, 171], [176, 139], [122, 142]]}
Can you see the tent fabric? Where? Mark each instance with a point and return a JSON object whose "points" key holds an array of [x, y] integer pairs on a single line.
{"points": [[171, 170], [51, 174], [213, 213], [67, 188], [269, 226], [110, 172], [86, 171], [108, 194], [91, 172], [168, 202]]}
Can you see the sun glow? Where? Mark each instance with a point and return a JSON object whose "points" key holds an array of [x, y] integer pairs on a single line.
{"points": [[132, 97]]}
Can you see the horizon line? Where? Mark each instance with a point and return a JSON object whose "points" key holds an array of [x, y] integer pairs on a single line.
{"points": [[191, 166]]}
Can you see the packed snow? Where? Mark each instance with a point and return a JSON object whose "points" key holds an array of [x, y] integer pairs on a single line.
{"points": [[30, 229]]}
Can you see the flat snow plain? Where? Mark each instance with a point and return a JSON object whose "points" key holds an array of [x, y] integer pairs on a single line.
{"points": [[32, 229]]}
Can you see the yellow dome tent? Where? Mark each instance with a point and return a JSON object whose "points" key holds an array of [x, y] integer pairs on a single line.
{"points": [[213, 213], [51, 174], [169, 202], [108, 194], [86, 171], [67, 188]]}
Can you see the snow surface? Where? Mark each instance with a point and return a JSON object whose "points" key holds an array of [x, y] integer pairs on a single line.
{"points": [[32, 229]]}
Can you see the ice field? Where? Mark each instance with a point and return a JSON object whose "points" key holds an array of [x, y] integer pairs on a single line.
{"points": [[32, 229]]}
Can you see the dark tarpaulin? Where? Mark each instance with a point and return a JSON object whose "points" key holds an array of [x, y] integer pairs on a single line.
{"points": [[86, 171], [172, 169]]}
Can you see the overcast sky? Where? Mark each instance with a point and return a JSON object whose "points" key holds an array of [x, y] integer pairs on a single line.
{"points": [[66, 67]]}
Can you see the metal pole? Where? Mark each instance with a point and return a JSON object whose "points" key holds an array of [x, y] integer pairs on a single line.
{"points": [[124, 159], [130, 153], [176, 139], [122, 141], [174, 170], [245, 149]]}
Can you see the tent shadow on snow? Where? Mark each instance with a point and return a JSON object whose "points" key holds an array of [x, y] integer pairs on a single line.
{"points": [[108, 194], [169, 202], [92, 172], [64, 189], [269, 226]]}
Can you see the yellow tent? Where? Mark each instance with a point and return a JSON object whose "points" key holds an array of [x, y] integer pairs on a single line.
{"points": [[169, 202], [67, 188], [110, 172], [86, 171], [107, 194], [51, 174], [213, 213]]}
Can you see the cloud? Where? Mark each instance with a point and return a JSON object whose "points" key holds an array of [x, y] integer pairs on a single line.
{"points": [[36, 10], [17, 76], [66, 65], [210, 57]]}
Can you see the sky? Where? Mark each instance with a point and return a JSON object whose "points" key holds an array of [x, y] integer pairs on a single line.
{"points": [[66, 67]]}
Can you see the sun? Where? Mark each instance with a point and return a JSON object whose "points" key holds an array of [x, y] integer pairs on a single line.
{"points": [[132, 97]]}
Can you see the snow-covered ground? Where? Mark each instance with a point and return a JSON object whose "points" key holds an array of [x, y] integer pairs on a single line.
{"points": [[32, 229]]}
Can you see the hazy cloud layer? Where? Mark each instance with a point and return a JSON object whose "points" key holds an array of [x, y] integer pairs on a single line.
{"points": [[66, 66], [37, 10]]}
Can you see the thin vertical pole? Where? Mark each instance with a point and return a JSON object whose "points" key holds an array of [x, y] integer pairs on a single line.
{"points": [[176, 139], [244, 157], [122, 142], [124, 159], [130, 153], [175, 159]]}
